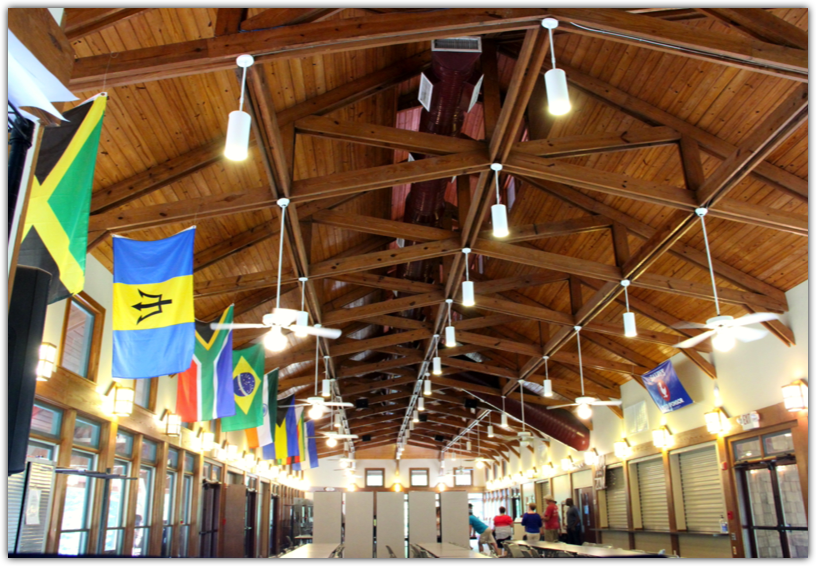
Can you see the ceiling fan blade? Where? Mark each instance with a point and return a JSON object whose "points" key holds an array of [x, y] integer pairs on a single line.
{"points": [[694, 340], [755, 318], [338, 404], [235, 326], [745, 334], [331, 333], [689, 325], [562, 406], [610, 402]]}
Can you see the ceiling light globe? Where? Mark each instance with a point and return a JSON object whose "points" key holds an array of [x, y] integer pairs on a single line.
{"points": [[584, 411], [479, 465], [275, 341], [315, 412], [331, 442], [723, 340]]}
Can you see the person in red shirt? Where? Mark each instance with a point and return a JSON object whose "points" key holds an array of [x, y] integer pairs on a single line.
{"points": [[552, 525], [502, 526]]}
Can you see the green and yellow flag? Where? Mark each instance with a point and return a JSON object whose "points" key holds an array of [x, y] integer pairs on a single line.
{"points": [[247, 384], [55, 232]]}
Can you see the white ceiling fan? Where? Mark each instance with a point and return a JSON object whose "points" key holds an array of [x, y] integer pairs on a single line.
{"points": [[584, 402], [281, 319], [724, 330], [479, 460]]}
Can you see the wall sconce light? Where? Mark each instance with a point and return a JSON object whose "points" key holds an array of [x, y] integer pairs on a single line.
{"points": [[567, 463], [531, 473], [591, 457], [441, 487], [46, 362], [622, 448], [548, 469], [123, 398], [172, 423], [717, 422], [662, 438], [795, 396], [221, 453], [249, 459], [232, 452], [208, 441]]}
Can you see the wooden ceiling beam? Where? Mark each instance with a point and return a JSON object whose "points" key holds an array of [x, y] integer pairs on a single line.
{"points": [[524, 311], [767, 172], [760, 24], [385, 136], [399, 322], [377, 367], [364, 413], [294, 41], [387, 176], [385, 307], [483, 321], [276, 17], [539, 277], [375, 385], [725, 49], [388, 283], [80, 22], [382, 226], [581, 145], [553, 229], [351, 296]]}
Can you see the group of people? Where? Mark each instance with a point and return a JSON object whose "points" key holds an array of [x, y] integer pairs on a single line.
{"points": [[534, 525]]}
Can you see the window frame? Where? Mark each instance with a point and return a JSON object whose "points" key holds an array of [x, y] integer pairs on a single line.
{"points": [[427, 476], [86, 302], [89, 502], [459, 474], [380, 470]]}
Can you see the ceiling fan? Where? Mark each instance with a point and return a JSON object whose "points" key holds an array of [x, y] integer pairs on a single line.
{"points": [[281, 319], [480, 462], [724, 330], [584, 402]]}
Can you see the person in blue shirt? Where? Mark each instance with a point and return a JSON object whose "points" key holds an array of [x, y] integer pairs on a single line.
{"points": [[531, 521], [485, 533]]}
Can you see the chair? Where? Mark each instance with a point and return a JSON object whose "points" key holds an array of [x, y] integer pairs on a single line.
{"points": [[390, 552], [563, 554], [639, 551], [338, 552], [289, 541], [514, 550]]}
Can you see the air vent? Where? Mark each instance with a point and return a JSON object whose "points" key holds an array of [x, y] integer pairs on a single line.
{"points": [[361, 403], [423, 417], [459, 44], [425, 92], [365, 437], [439, 438], [471, 403]]}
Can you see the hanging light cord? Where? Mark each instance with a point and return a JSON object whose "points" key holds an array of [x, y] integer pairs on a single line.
{"points": [[626, 295], [317, 363], [243, 82], [710, 266], [498, 197], [546, 368], [552, 47], [467, 267], [580, 362], [302, 295], [280, 253], [523, 422]]}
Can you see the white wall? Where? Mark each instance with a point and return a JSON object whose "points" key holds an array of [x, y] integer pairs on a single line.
{"points": [[750, 377], [326, 476]]}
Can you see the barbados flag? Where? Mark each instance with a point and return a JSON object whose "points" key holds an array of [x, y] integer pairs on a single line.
{"points": [[153, 318], [247, 385]]}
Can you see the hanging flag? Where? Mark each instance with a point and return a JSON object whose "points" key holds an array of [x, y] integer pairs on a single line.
{"points": [[292, 440], [262, 435], [247, 386], [55, 231], [278, 449], [153, 318], [302, 454], [311, 444], [205, 389], [665, 388]]}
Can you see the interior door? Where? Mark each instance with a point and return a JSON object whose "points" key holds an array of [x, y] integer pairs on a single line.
{"points": [[583, 499], [250, 523], [210, 515], [234, 522], [273, 526]]}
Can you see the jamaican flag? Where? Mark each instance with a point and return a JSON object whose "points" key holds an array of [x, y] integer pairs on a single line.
{"points": [[55, 232]]}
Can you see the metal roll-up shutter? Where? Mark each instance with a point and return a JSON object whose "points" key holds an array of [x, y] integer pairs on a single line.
{"points": [[616, 499], [654, 509], [702, 490]]}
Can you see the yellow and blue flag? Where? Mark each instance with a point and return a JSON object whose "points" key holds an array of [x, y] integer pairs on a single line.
{"points": [[153, 317], [247, 384]]}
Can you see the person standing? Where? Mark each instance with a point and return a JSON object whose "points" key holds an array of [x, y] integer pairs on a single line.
{"points": [[551, 523], [574, 527], [485, 533], [531, 521], [502, 527]]}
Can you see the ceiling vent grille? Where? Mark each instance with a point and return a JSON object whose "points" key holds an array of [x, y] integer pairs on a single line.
{"points": [[459, 44]]}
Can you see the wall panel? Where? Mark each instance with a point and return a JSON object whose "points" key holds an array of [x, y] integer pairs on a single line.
{"points": [[454, 517], [327, 517], [422, 516], [359, 534], [391, 523]]}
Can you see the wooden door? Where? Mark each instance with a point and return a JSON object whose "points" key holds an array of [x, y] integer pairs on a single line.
{"points": [[234, 521], [585, 503], [210, 519]]}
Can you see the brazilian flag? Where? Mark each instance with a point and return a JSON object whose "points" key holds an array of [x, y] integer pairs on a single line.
{"points": [[55, 232], [247, 384]]}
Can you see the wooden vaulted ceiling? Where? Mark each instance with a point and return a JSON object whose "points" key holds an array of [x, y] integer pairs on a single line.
{"points": [[679, 108]]}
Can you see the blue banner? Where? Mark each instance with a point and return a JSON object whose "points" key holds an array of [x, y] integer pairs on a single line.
{"points": [[665, 388]]}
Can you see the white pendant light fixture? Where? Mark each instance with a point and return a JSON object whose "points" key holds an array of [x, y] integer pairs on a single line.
{"points": [[411, 425], [421, 404], [555, 80], [504, 416], [437, 360], [416, 416], [468, 295], [498, 211], [427, 386], [584, 409], [629, 327], [302, 320], [450, 331], [548, 392], [237, 146], [326, 392], [338, 420]]}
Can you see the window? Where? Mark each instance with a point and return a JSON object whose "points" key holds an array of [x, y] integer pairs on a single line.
{"points": [[168, 510], [86, 433], [419, 477], [143, 388], [186, 514], [46, 420], [124, 444], [42, 450], [616, 498], [375, 477], [82, 336], [212, 471], [701, 502], [76, 514], [144, 498], [779, 443], [149, 449], [462, 477], [117, 508], [650, 492], [172, 459]]}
